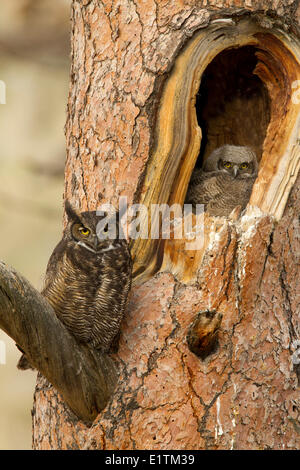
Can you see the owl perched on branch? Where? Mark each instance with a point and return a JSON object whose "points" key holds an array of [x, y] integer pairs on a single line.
{"points": [[225, 181], [88, 279]]}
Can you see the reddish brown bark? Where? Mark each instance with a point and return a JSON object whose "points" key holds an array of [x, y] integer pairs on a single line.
{"points": [[245, 395]]}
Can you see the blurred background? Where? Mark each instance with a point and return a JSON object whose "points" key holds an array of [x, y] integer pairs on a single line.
{"points": [[34, 66]]}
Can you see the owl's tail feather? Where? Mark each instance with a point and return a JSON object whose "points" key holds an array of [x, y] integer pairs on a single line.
{"points": [[23, 363]]}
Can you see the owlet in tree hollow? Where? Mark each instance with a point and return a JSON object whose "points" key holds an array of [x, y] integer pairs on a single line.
{"points": [[87, 281], [225, 181]]}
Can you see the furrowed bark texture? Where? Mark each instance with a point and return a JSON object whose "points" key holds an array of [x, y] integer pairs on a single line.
{"points": [[244, 395]]}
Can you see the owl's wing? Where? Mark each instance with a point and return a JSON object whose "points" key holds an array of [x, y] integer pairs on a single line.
{"points": [[52, 266], [197, 176]]}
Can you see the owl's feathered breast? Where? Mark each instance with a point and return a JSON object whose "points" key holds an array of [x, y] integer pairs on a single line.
{"points": [[218, 192], [88, 291]]}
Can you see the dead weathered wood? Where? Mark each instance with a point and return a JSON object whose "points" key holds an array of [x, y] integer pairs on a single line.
{"points": [[84, 378], [178, 135]]}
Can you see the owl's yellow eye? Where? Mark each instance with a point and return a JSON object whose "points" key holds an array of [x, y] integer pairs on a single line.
{"points": [[227, 164], [244, 165], [84, 231]]}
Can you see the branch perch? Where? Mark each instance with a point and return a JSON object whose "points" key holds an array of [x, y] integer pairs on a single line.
{"points": [[84, 378]]}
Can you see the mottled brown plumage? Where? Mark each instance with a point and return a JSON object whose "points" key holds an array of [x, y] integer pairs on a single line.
{"points": [[225, 181], [88, 279]]}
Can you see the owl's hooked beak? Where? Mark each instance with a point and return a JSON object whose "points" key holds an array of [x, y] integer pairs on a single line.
{"points": [[95, 242], [235, 170]]}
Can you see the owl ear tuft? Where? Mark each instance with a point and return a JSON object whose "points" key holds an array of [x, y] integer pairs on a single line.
{"points": [[71, 212]]}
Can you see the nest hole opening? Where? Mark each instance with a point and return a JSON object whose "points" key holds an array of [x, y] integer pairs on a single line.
{"points": [[233, 88], [232, 104]]}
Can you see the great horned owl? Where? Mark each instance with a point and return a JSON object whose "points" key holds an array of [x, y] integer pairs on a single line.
{"points": [[225, 181], [87, 281]]}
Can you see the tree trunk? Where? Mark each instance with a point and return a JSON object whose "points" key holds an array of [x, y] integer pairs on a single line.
{"points": [[134, 128]]}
